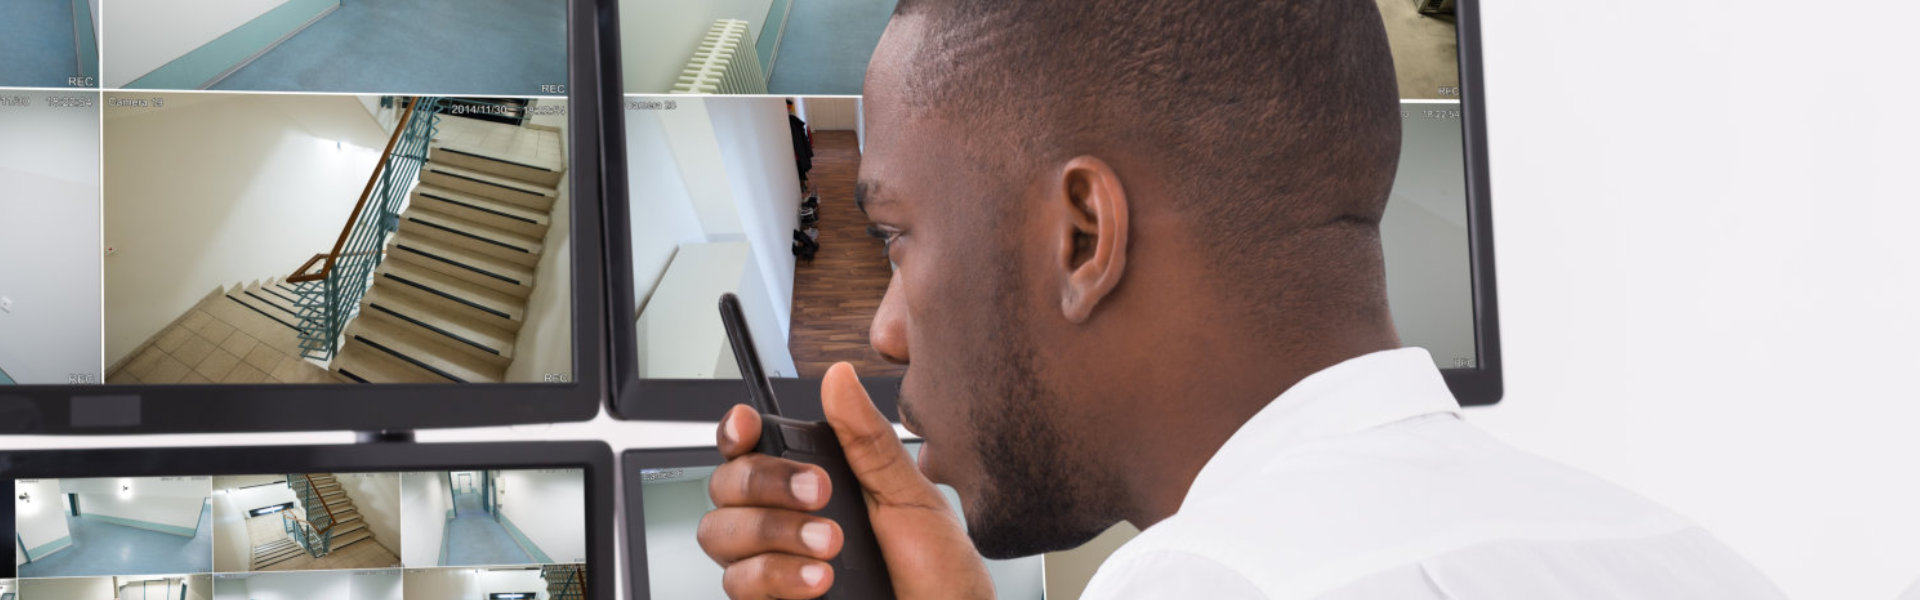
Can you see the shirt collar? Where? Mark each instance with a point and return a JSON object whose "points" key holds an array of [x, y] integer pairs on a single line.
{"points": [[1360, 393]]}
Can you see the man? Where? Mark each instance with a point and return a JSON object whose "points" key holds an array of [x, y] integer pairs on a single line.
{"points": [[1138, 277]]}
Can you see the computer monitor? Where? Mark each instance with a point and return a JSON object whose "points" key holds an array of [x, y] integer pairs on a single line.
{"points": [[666, 495], [754, 194], [530, 521], [236, 209]]}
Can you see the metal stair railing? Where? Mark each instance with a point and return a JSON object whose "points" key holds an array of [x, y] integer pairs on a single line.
{"points": [[327, 299], [314, 533]]}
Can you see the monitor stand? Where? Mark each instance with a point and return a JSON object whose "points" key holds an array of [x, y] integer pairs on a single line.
{"points": [[385, 436]]}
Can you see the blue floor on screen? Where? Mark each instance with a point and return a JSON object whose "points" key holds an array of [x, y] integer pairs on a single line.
{"points": [[827, 45], [474, 538], [489, 47], [102, 548], [36, 43]]}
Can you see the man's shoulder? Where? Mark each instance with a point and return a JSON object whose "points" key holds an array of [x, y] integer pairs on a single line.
{"points": [[1321, 516]]}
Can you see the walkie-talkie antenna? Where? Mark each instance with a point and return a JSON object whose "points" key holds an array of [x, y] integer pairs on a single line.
{"points": [[759, 389]]}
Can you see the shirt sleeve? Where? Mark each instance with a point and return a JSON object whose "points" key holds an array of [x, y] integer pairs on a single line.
{"points": [[1169, 574]]}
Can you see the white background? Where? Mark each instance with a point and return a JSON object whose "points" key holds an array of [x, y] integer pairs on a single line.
{"points": [[1708, 244]]}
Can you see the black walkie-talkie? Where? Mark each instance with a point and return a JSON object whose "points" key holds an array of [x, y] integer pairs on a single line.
{"points": [[859, 572]]}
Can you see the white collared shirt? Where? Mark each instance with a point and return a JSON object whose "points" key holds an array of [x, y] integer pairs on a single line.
{"points": [[1362, 481]]}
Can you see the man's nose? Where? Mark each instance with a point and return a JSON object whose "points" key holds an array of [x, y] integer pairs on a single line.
{"points": [[888, 334]]}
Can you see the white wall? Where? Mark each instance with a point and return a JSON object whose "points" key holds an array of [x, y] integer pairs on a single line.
{"points": [[377, 497], [199, 587], [268, 183], [657, 37], [50, 170], [147, 499], [41, 518], [228, 588], [374, 585], [1424, 233], [424, 502], [78, 588], [733, 168], [661, 212], [142, 35], [1712, 296], [550, 508], [310, 585], [830, 114], [756, 145], [676, 566]]}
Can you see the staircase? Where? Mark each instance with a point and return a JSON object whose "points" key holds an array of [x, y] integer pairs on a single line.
{"points": [[565, 582], [447, 302], [331, 522]]}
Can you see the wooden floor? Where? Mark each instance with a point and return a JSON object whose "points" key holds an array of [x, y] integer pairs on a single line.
{"points": [[835, 296]]}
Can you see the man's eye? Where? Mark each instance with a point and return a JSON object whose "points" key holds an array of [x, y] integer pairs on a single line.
{"points": [[885, 236]]}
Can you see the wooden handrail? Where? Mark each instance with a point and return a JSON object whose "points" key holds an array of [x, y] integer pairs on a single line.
{"points": [[301, 275], [331, 520], [385, 155]]}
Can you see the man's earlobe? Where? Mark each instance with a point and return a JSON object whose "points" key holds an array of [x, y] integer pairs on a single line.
{"points": [[1094, 248]]}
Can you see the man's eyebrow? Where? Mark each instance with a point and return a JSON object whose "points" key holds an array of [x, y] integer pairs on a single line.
{"points": [[865, 193]]}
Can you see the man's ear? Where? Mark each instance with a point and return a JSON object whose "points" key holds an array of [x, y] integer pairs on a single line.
{"points": [[1093, 249]]}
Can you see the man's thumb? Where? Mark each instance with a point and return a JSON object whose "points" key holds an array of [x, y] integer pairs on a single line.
{"points": [[874, 452]]}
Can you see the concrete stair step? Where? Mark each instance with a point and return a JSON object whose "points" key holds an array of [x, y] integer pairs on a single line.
{"points": [[397, 339], [506, 216], [361, 363], [509, 278], [479, 337], [488, 185], [450, 296], [477, 160], [475, 237]]}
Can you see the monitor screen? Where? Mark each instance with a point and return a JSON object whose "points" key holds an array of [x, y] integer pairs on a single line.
{"points": [[445, 533], [298, 193], [751, 190], [667, 496]]}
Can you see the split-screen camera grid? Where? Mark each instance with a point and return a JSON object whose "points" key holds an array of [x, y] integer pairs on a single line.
{"points": [[285, 192], [440, 535]]}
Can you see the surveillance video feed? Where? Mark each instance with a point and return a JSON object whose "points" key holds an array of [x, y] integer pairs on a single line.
{"points": [[261, 192], [359, 536]]}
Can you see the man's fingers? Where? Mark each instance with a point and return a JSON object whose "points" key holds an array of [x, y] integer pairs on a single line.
{"points": [[764, 481], [730, 535], [739, 431], [873, 450], [772, 576]]}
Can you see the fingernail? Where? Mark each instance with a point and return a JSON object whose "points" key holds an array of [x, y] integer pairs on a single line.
{"points": [[816, 535], [805, 487], [726, 429], [812, 574]]}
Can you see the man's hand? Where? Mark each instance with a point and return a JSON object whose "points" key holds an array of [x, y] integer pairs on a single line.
{"points": [[771, 547]]}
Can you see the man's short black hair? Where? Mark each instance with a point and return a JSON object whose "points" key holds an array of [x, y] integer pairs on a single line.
{"points": [[1277, 119]]}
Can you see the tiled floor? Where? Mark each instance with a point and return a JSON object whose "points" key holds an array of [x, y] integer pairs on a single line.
{"points": [[101, 548], [491, 47], [536, 147], [36, 43], [368, 554], [827, 46], [473, 538], [221, 341]]}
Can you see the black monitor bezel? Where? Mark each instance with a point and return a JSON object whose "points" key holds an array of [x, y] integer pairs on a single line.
{"points": [[596, 458], [95, 409], [633, 398]]}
